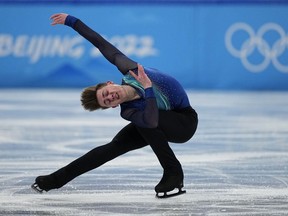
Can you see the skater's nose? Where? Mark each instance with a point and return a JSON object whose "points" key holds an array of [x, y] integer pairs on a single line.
{"points": [[111, 96]]}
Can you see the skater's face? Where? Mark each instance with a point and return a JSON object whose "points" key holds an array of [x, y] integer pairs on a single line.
{"points": [[111, 95]]}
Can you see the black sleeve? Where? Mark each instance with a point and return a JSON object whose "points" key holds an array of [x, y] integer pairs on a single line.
{"points": [[110, 52], [146, 118]]}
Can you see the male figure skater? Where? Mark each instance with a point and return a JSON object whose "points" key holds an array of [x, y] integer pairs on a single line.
{"points": [[155, 104]]}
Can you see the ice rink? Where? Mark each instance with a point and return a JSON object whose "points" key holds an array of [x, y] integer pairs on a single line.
{"points": [[236, 164]]}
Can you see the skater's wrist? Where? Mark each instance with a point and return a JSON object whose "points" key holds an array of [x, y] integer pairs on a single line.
{"points": [[149, 93], [70, 21]]}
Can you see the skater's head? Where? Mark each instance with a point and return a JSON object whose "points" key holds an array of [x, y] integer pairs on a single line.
{"points": [[88, 98], [103, 96]]}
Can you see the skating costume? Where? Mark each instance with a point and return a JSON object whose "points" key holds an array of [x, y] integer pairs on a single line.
{"points": [[169, 95], [161, 115]]}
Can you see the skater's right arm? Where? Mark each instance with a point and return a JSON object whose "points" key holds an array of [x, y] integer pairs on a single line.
{"points": [[110, 52]]}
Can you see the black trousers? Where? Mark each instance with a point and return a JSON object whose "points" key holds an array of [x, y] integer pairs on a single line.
{"points": [[174, 126]]}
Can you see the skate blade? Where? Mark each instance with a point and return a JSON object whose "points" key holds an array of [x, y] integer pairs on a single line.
{"points": [[163, 195], [36, 188]]}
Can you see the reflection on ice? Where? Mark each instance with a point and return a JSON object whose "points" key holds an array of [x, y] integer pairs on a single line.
{"points": [[235, 165]]}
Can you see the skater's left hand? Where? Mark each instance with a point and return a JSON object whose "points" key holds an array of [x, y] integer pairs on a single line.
{"points": [[58, 18], [142, 77]]}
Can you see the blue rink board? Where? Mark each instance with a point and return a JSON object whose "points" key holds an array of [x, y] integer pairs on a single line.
{"points": [[203, 46]]}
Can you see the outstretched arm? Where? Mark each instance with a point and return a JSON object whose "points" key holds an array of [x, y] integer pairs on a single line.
{"points": [[110, 52]]}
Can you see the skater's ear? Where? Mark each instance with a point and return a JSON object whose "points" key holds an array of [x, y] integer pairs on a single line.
{"points": [[109, 82]]}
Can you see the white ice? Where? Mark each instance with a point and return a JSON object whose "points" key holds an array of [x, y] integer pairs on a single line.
{"points": [[236, 164]]}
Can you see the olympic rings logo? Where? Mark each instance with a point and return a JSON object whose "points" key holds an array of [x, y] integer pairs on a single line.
{"points": [[256, 42]]}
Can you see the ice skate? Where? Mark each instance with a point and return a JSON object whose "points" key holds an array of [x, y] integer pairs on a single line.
{"points": [[169, 184], [36, 187], [162, 195], [44, 183]]}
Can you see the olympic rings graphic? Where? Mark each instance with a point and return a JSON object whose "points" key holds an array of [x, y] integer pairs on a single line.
{"points": [[256, 42]]}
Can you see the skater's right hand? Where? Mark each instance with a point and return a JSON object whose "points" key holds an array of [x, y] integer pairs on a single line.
{"points": [[142, 77], [58, 18]]}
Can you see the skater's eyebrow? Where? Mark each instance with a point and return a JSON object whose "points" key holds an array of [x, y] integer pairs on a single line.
{"points": [[104, 92], [105, 101]]}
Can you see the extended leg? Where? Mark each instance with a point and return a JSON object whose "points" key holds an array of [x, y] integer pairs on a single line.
{"points": [[126, 140]]}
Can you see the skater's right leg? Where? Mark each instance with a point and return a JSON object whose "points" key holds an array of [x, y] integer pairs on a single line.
{"points": [[126, 140], [174, 126]]}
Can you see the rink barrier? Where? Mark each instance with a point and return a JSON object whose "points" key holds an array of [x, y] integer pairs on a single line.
{"points": [[145, 1], [205, 46]]}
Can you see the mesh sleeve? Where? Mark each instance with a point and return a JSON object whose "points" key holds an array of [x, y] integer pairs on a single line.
{"points": [[110, 52]]}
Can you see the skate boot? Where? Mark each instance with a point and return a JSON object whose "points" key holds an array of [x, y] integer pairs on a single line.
{"points": [[44, 183], [169, 183]]}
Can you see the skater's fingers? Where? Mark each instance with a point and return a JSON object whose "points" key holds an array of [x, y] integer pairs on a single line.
{"points": [[140, 69], [142, 77], [58, 15], [54, 16], [58, 18], [133, 74]]}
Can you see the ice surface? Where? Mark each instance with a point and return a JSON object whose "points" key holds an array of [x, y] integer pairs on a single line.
{"points": [[236, 164]]}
